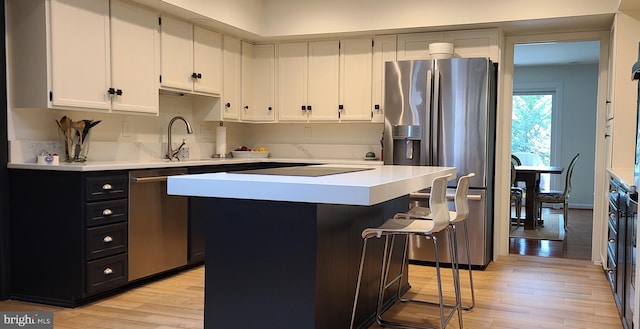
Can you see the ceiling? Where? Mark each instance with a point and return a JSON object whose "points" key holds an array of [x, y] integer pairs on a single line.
{"points": [[557, 53]]}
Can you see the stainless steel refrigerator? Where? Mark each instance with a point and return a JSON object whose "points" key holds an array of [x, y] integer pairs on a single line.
{"points": [[442, 113]]}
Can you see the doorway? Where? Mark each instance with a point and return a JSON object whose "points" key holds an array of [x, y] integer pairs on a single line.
{"points": [[559, 67]]}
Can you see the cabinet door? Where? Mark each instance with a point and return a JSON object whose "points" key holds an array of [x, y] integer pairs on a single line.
{"points": [[292, 81], [323, 80], [355, 79], [207, 60], [384, 50], [261, 79], [231, 78], [176, 54], [80, 55], [134, 59], [475, 43], [416, 45]]}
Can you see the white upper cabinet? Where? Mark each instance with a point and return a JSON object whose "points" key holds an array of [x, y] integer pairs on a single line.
{"points": [[231, 76], [134, 58], [80, 54], [207, 60], [191, 57], [416, 45], [466, 43], [258, 87], [176, 54], [356, 57], [68, 54], [323, 68], [384, 50], [292, 81], [476, 43], [308, 81]]}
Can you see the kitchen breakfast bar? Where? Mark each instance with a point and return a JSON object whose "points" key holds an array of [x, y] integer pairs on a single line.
{"points": [[283, 246]]}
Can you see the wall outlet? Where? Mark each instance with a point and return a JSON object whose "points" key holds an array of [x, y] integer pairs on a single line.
{"points": [[206, 132]]}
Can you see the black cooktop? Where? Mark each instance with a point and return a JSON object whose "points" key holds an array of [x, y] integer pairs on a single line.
{"points": [[300, 171]]}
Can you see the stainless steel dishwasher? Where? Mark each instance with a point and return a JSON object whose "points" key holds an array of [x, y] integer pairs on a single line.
{"points": [[157, 224]]}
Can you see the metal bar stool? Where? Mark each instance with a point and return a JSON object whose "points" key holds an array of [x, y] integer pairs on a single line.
{"points": [[460, 215], [461, 201], [413, 226]]}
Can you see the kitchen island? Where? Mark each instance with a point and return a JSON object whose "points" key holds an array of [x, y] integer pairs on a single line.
{"points": [[283, 251]]}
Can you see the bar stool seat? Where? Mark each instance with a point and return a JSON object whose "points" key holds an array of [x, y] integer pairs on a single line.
{"points": [[406, 227]]}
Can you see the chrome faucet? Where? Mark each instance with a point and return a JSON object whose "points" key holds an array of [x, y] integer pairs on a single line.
{"points": [[171, 153]]}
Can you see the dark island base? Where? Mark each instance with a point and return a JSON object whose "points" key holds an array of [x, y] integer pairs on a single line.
{"points": [[291, 265]]}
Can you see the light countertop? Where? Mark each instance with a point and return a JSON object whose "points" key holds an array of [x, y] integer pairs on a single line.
{"points": [[160, 163], [368, 187], [624, 176]]}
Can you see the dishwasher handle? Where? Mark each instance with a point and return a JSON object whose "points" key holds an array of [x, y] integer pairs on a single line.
{"points": [[152, 179]]}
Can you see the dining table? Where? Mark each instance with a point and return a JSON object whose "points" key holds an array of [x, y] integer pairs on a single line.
{"points": [[530, 175]]}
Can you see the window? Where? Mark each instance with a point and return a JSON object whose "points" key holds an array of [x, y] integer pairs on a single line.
{"points": [[531, 129]]}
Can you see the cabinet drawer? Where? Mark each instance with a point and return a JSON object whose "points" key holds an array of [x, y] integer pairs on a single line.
{"points": [[613, 196], [106, 240], [107, 273], [107, 212], [611, 272], [612, 241], [107, 187]]}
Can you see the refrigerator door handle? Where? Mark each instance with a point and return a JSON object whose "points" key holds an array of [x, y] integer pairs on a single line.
{"points": [[435, 120], [424, 156], [450, 197]]}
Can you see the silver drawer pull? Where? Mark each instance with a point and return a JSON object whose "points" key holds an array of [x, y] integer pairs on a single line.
{"points": [[107, 212], [107, 271], [107, 239], [107, 187], [612, 240]]}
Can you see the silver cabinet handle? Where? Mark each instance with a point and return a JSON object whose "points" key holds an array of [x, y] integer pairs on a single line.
{"points": [[107, 212], [107, 239], [107, 186], [107, 271]]}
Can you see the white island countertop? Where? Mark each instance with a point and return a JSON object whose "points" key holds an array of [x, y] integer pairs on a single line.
{"points": [[365, 188]]}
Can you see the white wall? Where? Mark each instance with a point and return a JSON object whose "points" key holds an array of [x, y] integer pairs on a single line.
{"points": [[333, 16], [579, 90], [283, 18], [247, 15]]}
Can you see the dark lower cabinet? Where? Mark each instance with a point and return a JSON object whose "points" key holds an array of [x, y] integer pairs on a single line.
{"points": [[68, 235], [621, 241]]}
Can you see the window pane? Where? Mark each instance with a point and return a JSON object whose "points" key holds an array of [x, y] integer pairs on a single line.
{"points": [[531, 125]]}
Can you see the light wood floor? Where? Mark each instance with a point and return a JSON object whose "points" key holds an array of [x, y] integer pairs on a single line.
{"points": [[514, 292]]}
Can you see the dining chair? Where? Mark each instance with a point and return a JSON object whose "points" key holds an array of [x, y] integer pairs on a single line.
{"points": [[421, 226], [558, 196], [517, 192]]}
